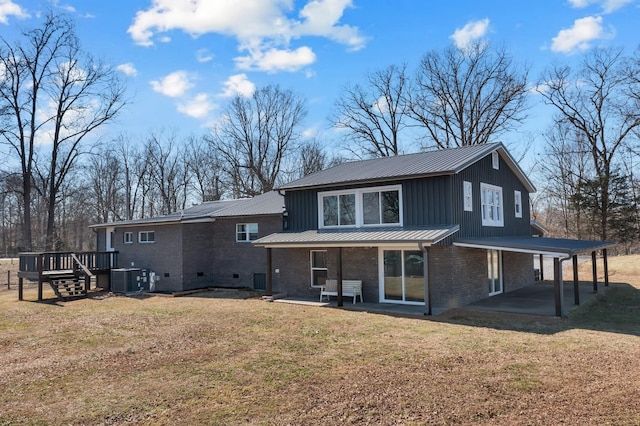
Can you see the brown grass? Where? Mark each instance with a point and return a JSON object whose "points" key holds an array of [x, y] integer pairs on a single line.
{"points": [[208, 360]]}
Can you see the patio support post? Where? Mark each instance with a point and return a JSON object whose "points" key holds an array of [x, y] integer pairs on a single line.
{"points": [[541, 268], [339, 275], [269, 283], [595, 271], [606, 267], [557, 286], [576, 288]]}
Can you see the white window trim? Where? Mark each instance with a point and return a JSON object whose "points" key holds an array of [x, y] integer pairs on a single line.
{"points": [[495, 160], [124, 237], [517, 197], [500, 280], [467, 201], [248, 239], [359, 209], [485, 220], [146, 232], [312, 268]]}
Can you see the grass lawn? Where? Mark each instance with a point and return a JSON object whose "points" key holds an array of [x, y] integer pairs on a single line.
{"points": [[213, 360]]}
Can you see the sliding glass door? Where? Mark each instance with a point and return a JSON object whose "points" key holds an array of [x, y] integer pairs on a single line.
{"points": [[402, 276]]}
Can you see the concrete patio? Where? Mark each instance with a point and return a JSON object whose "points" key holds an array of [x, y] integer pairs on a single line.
{"points": [[537, 299]]}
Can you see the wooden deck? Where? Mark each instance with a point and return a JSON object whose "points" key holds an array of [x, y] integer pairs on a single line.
{"points": [[65, 267]]}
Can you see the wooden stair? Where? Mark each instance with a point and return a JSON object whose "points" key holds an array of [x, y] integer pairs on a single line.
{"points": [[67, 285]]}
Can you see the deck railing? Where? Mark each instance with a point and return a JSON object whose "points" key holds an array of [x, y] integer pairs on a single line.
{"points": [[37, 263]]}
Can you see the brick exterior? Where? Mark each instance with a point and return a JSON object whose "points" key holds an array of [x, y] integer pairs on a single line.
{"points": [[458, 274], [196, 255]]}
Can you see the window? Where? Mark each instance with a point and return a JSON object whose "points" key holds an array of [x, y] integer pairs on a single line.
{"points": [[381, 207], [517, 195], [128, 237], [318, 268], [495, 160], [361, 207], [491, 205], [146, 236], [339, 210], [468, 197], [246, 232]]}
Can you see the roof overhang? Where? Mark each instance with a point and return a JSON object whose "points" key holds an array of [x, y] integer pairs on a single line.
{"points": [[357, 237], [555, 247]]}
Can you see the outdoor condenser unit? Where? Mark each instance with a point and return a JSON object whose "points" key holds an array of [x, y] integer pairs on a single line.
{"points": [[129, 280]]}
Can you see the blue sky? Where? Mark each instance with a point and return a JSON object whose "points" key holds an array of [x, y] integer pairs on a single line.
{"points": [[184, 59]]}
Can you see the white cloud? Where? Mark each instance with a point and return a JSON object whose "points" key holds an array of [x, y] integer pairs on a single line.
{"points": [[173, 85], [9, 8], [238, 84], [579, 36], [127, 69], [608, 6], [197, 107], [203, 55], [263, 29], [273, 60], [472, 31]]}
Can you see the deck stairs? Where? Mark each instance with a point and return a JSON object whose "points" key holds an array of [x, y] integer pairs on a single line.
{"points": [[72, 283]]}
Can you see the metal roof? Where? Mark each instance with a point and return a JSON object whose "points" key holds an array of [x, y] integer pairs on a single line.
{"points": [[556, 247], [357, 237], [269, 203], [431, 163], [266, 204]]}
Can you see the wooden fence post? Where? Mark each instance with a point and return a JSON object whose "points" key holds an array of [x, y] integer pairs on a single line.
{"points": [[8, 280]]}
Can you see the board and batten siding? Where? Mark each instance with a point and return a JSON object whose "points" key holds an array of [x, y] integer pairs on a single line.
{"points": [[471, 222], [426, 201]]}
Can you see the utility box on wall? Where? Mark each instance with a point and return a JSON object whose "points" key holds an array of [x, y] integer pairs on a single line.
{"points": [[129, 280]]}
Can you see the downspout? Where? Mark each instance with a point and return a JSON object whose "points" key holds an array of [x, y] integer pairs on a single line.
{"points": [[427, 281]]}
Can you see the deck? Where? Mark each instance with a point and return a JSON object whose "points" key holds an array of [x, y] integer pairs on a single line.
{"points": [[64, 267]]}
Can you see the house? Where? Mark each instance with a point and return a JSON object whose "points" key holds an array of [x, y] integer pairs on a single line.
{"points": [[440, 229], [206, 245]]}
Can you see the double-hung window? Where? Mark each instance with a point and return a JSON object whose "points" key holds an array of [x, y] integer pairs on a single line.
{"points": [[491, 205], [360, 207], [246, 232], [468, 196], [128, 237], [517, 196]]}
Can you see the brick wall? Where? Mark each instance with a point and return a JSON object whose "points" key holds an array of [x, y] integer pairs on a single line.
{"points": [[518, 270], [197, 252], [164, 256], [235, 263]]}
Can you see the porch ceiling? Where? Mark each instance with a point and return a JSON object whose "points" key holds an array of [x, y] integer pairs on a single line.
{"points": [[357, 237], [556, 247]]}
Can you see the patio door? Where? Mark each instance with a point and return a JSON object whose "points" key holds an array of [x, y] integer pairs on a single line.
{"points": [[402, 276], [494, 272]]}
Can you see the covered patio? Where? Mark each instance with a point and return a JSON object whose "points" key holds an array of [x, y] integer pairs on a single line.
{"points": [[560, 249]]}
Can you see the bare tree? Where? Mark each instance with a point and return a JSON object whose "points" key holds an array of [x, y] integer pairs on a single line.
{"points": [[206, 169], [468, 96], [52, 97], [374, 115], [168, 171], [256, 135], [601, 101]]}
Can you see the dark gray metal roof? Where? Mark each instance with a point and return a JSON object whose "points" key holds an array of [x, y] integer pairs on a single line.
{"points": [[432, 163], [269, 203], [357, 237], [557, 247]]}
